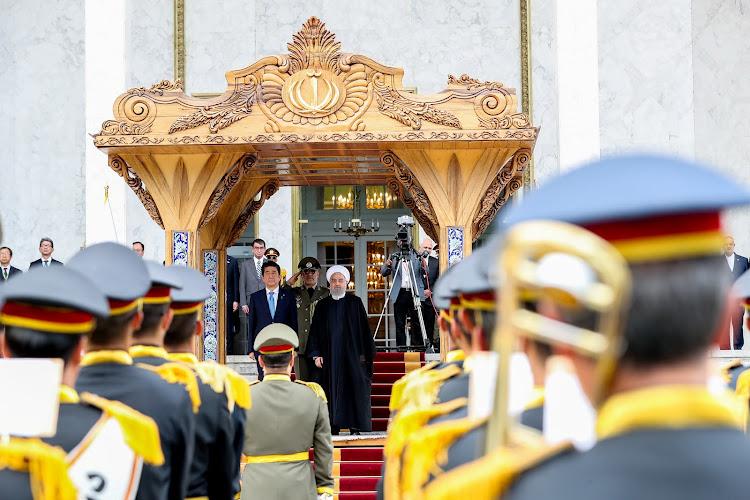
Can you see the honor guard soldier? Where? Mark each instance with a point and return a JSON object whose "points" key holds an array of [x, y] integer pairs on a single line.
{"points": [[655, 410], [286, 419], [307, 294], [47, 314], [272, 255], [225, 395], [108, 370]]}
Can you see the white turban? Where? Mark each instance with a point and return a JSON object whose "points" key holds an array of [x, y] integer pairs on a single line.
{"points": [[337, 269]]}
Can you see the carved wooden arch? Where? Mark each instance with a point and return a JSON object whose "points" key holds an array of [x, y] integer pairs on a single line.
{"points": [[269, 189]]}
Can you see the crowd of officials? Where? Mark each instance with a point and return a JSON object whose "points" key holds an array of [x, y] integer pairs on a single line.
{"points": [[612, 290]]}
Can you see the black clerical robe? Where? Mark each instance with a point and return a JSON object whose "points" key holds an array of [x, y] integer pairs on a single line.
{"points": [[340, 334]]}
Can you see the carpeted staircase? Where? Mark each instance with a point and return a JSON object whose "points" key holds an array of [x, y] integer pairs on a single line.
{"points": [[387, 369]]}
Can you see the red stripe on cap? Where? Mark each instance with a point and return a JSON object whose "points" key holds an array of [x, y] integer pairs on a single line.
{"points": [[664, 225], [58, 315], [270, 349]]}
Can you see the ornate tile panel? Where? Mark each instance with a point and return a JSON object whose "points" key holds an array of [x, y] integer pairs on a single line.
{"points": [[180, 248], [210, 307], [455, 245]]}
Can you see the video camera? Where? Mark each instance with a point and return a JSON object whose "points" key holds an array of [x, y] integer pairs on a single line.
{"points": [[404, 237]]}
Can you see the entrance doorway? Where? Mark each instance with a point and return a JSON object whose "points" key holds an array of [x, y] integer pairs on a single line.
{"points": [[321, 207]]}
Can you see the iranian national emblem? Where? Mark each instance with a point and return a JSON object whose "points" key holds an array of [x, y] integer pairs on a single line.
{"points": [[314, 92]]}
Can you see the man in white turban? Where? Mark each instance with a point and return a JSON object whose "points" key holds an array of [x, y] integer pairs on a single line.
{"points": [[341, 345]]}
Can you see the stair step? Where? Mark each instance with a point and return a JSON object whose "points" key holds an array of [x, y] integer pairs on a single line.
{"points": [[358, 484], [386, 378], [395, 367], [380, 400], [356, 454], [399, 356], [380, 424], [359, 469], [356, 496], [381, 412], [381, 389]]}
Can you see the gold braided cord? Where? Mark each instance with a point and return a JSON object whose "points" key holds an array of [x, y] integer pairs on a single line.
{"points": [[317, 389], [140, 431], [397, 390], [46, 465], [177, 373], [143, 351], [427, 450], [106, 356], [221, 378]]}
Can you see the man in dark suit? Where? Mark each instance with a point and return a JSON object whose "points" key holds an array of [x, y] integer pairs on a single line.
{"points": [[232, 301], [46, 247], [6, 270], [430, 272], [271, 304], [737, 265], [251, 278]]}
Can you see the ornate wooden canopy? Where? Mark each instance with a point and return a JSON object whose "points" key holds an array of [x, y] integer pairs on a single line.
{"points": [[318, 116]]}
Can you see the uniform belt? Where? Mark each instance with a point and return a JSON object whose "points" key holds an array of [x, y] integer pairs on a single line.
{"points": [[270, 459], [197, 498]]}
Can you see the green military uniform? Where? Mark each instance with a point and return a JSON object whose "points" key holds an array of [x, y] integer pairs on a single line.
{"points": [[286, 419], [305, 309]]}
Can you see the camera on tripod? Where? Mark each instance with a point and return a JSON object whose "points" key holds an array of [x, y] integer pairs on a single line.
{"points": [[403, 237]]}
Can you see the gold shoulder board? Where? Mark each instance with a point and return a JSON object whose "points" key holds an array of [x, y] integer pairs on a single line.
{"points": [[316, 388]]}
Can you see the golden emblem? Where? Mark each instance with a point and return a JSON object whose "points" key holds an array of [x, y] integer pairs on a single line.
{"points": [[314, 92]]}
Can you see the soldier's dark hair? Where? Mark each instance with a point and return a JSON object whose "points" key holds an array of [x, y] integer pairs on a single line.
{"points": [[26, 343], [484, 318], [111, 328], [268, 264], [181, 329], [152, 315], [8, 249], [277, 361], [675, 309]]}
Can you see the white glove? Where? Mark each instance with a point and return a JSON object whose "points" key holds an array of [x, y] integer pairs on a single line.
{"points": [[325, 496]]}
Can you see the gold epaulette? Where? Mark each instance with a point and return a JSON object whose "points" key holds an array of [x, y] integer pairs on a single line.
{"points": [[316, 388], [427, 450], [423, 390], [404, 425], [177, 373], [735, 363], [221, 378], [140, 431], [254, 382], [490, 476], [46, 465], [397, 391], [743, 394]]}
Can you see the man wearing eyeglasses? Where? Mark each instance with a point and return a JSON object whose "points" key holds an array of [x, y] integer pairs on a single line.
{"points": [[307, 294], [46, 247]]}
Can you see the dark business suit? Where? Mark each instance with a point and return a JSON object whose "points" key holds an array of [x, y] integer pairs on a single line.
{"points": [[259, 315], [429, 278], [740, 266], [233, 295], [12, 271], [250, 282], [38, 262]]}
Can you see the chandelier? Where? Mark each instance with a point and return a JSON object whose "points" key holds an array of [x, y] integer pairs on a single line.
{"points": [[354, 226]]}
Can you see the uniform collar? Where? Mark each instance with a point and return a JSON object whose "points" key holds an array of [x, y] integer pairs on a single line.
{"points": [[142, 351], [120, 357], [664, 407], [276, 376], [183, 357]]}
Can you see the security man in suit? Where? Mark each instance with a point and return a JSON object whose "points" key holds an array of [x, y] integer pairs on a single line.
{"points": [[47, 315], [286, 419], [6, 270], [429, 273], [232, 302], [108, 369], [737, 266], [307, 295], [212, 466], [46, 247], [272, 304], [251, 279]]}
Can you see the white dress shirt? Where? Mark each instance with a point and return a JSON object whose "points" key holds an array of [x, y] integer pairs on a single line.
{"points": [[730, 261]]}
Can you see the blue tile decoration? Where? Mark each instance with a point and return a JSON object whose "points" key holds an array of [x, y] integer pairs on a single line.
{"points": [[455, 245], [211, 307], [180, 248]]}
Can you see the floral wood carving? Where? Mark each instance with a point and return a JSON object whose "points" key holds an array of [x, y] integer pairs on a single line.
{"points": [[495, 110], [136, 184], [269, 189], [407, 111], [412, 194], [508, 181], [230, 180], [219, 116], [138, 109]]}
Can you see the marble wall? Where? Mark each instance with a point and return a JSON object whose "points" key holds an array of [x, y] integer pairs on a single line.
{"points": [[721, 63], [42, 124], [275, 227]]}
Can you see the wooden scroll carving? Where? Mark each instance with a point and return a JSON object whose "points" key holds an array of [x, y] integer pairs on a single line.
{"points": [[506, 183], [269, 189], [406, 187], [136, 184], [230, 180]]}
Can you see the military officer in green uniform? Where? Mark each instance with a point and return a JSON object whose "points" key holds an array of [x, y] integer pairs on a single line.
{"points": [[286, 420], [307, 294]]}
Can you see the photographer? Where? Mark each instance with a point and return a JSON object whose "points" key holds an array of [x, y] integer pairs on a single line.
{"points": [[405, 264]]}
